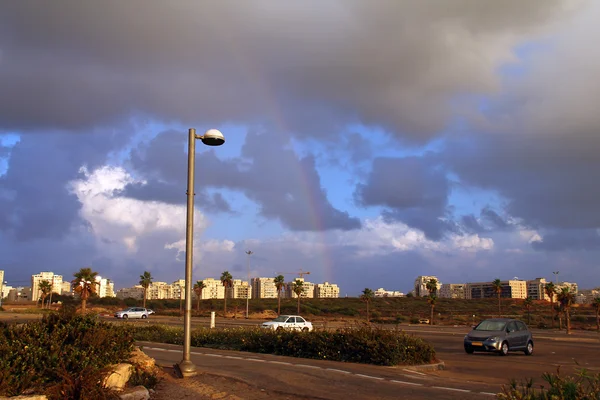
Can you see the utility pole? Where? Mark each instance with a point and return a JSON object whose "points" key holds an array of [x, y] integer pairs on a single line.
{"points": [[249, 253]]}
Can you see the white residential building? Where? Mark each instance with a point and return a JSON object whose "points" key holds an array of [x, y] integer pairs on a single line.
{"points": [[54, 280], [159, 290], [381, 292], [240, 290], [536, 289], [516, 289], [308, 289], [452, 291], [1, 284], [327, 290], [214, 289], [421, 285], [264, 288], [105, 287], [66, 288], [573, 288]]}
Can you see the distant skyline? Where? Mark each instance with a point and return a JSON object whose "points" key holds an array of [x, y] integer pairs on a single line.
{"points": [[367, 143]]}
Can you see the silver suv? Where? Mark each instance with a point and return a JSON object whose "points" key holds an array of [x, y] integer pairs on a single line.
{"points": [[133, 312], [500, 335]]}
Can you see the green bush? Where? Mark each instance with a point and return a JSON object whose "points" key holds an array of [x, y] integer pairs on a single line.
{"points": [[581, 386], [361, 345], [61, 354]]}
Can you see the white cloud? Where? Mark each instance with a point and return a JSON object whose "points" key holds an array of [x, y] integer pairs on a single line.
{"points": [[530, 236]]}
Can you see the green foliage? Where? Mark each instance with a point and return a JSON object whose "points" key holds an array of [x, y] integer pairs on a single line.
{"points": [[581, 386], [63, 348], [360, 345], [142, 377]]}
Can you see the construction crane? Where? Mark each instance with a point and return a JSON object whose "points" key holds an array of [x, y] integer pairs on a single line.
{"points": [[299, 273]]}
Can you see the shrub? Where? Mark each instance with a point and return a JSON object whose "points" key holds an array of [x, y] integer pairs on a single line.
{"points": [[581, 386], [71, 350], [361, 345]]}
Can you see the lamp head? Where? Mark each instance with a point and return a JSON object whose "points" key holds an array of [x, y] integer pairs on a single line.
{"points": [[213, 137]]}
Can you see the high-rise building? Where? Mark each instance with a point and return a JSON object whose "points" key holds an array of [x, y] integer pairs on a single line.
{"points": [[214, 289], [105, 287], [327, 290], [516, 289], [240, 290], [264, 288], [54, 280], [421, 285], [381, 292], [160, 290], [452, 290], [1, 283]]}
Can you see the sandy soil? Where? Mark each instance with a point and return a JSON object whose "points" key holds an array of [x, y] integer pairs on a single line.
{"points": [[206, 386]]}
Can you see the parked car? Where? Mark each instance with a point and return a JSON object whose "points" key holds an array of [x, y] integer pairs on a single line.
{"points": [[293, 322], [150, 311], [133, 312], [500, 335], [423, 321]]}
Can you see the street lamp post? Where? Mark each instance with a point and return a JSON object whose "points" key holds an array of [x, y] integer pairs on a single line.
{"points": [[211, 137], [249, 253]]}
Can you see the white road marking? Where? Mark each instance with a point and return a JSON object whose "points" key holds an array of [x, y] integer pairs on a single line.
{"points": [[213, 355], [173, 351], [406, 383], [198, 354], [338, 370], [308, 366], [255, 359], [279, 362], [453, 389], [413, 372], [488, 393], [370, 377], [234, 357]]}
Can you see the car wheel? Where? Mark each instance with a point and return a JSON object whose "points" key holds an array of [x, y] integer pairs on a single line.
{"points": [[529, 349], [304, 329], [125, 316], [469, 349], [504, 349], [279, 328]]}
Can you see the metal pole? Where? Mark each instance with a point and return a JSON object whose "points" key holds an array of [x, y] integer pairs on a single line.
{"points": [[249, 253], [186, 366]]}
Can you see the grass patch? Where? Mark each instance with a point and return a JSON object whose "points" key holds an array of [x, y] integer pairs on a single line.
{"points": [[583, 385], [361, 345]]}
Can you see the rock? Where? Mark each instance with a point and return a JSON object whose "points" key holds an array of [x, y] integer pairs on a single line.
{"points": [[140, 358], [119, 376], [30, 397], [136, 393]]}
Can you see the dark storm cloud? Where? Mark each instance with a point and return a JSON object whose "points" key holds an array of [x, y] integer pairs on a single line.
{"points": [[588, 239], [309, 66], [413, 190], [285, 186]]}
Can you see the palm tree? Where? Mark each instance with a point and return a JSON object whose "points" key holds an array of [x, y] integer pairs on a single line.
{"points": [[46, 289], [528, 302], [279, 282], [366, 296], [566, 297], [227, 281], [596, 304], [198, 288], [298, 288], [85, 285], [550, 290], [432, 299], [497, 286], [432, 286], [146, 281]]}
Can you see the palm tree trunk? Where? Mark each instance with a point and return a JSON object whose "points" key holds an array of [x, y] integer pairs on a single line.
{"points": [[198, 304], [568, 317], [145, 289], [551, 313], [431, 317], [50, 302], [279, 302], [499, 307], [298, 305], [225, 302], [83, 305]]}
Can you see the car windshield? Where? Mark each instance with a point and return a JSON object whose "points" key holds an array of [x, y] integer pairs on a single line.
{"points": [[491, 326], [281, 318]]}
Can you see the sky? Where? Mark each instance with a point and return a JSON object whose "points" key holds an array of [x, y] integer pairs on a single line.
{"points": [[366, 142]]}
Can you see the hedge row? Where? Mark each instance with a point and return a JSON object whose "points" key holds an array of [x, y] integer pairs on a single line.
{"points": [[362, 345], [61, 356]]}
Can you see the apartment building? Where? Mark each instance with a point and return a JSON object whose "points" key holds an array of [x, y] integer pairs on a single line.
{"points": [[264, 288], [381, 292], [214, 289], [516, 289], [421, 285], [573, 287], [105, 287], [65, 288], [159, 290], [452, 291], [308, 289], [1, 284], [136, 292], [55, 281], [239, 290], [327, 290], [587, 296], [536, 289], [19, 293]]}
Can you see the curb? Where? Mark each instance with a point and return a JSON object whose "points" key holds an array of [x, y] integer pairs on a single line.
{"points": [[568, 339]]}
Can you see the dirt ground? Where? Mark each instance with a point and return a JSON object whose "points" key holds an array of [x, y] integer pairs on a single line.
{"points": [[209, 387]]}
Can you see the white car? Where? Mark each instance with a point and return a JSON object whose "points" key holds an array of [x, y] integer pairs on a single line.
{"points": [[133, 312], [292, 322]]}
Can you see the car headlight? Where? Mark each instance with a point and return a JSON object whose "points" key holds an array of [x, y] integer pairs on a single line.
{"points": [[494, 339]]}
